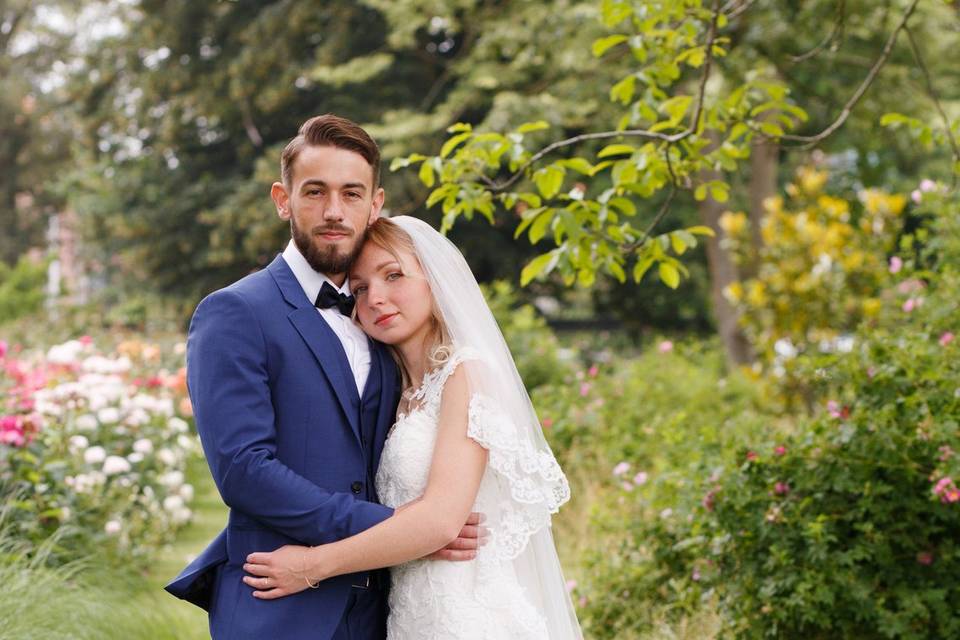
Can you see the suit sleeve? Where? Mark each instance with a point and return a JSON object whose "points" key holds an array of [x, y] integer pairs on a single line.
{"points": [[229, 388]]}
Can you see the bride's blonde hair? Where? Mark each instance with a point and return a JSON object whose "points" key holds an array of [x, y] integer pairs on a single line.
{"points": [[391, 238]]}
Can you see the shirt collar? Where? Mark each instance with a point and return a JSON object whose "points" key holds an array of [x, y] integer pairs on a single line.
{"points": [[310, 280]]}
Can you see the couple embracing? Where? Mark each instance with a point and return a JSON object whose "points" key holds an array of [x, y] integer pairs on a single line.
{"points": [[359, 409]]}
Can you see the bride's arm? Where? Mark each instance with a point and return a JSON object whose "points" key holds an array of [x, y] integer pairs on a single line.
{"points": [[418, 529]]}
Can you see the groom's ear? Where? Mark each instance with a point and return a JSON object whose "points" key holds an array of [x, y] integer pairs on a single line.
{"points": [[376, 205], [278, 193]]}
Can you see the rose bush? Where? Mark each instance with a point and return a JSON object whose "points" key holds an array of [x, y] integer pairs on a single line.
{"points": [[96, 444]]}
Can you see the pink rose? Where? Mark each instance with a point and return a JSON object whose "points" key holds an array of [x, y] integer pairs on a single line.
{"points": [[946, 339], [925, 558], [896, 264], [909, 305], [593, 371], [547, 423], [665, 347], [3, 349], [621, 469], [780, 450], [640, 478], [927, 185], [916, 196], [584, 389], [781, 488]]}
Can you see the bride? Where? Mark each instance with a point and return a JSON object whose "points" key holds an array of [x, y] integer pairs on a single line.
{"points": [[466, 439]]}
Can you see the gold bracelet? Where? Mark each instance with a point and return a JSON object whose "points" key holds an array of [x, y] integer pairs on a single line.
{"points": [[312, 585]]}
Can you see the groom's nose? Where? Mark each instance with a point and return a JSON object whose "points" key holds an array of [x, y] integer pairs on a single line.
{"points": [[333, 209]]}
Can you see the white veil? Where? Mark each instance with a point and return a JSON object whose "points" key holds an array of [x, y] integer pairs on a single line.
{"points": [[527, 483]]}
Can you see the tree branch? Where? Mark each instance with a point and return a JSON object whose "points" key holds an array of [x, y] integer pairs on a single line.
{"points": [[837, 29], [632, 133], [810, 141], [932, 92]]}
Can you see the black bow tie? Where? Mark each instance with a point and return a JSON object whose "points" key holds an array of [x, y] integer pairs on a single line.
{"points": [[330, 297]]}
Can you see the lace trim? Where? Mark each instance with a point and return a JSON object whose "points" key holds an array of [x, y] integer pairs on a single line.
{"points": [[538, 486]]}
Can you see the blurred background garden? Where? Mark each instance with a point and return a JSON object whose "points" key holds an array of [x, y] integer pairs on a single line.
{"points": [[722, 239]]}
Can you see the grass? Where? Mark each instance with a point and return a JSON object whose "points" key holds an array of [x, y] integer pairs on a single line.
{"points": [[91, 599]]}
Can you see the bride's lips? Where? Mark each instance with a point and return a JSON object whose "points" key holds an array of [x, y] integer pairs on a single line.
{"points": [[386, 318]]}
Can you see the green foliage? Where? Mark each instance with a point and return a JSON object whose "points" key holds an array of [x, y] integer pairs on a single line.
{"points": [[635, 443], [595, 227], [22, 288]]}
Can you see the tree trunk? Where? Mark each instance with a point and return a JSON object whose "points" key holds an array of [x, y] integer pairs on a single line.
{"points": [[764, 162], [723, 272]]}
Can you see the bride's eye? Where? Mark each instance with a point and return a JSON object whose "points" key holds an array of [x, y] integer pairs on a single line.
{"points": [[394, 275]]}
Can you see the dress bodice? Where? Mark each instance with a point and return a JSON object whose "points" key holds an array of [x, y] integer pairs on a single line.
{"points": [[435, 599]]}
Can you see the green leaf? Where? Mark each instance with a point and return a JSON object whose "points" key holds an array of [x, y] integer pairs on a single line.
{"points": [[679, 246], [625, 206], [549, 180], [458, 127], [578, 164], [539, 227], [700, 193], [622, 92], [426, 174], [602, 45], [452, 143], [719, 191], [615, 150], [528, 217], [669, 275], [642, 266], [676, 107], [700, 230], [527, 127], [535, 267], [617, 271]]}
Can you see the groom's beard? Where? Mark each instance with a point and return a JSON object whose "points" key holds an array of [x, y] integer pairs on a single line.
{"points": [[325, 259]]}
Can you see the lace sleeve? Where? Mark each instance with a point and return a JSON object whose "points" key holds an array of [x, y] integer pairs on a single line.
{"points": [[531, 481]]}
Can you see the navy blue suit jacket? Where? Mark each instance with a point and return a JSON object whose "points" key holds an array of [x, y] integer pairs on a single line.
{"points": [[271, 390]]}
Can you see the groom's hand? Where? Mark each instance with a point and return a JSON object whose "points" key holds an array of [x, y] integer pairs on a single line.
{"points": [[471, 537]]}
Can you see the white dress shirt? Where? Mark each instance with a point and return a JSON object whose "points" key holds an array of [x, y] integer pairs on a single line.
{"points": [[353, 339]]}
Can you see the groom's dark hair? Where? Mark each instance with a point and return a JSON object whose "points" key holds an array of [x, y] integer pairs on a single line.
{"points": [[333, 131]]}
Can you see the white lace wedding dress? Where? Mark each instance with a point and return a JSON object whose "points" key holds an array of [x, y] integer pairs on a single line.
{"points": [[441, 600]]}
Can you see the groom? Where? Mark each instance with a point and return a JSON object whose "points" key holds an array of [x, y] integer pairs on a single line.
{"points": [[293, 403]]}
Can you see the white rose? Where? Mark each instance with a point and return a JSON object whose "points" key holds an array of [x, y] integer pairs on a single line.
{"points": [[167, 457], [109, 415], [115, 464], [78, 443], [186, 492], [173, 503], [143, 445], [182, 515], [172, 479], [185, 442], [112, 528], [135, 458], [178, 425], [94, 455]]}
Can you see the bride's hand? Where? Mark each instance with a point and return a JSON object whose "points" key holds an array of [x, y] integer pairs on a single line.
{"points": [[279, 573]]}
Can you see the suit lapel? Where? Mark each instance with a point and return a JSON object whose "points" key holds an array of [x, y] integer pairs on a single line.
{"points": [[388, 398], [320, 338]]}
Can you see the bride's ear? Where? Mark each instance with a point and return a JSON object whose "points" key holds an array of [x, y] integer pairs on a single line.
{"points": [[278, 193]]}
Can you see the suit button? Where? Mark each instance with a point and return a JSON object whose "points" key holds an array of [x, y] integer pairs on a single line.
{"points": [[356, 487]]}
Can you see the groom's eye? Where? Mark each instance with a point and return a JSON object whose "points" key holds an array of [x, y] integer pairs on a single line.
{"points": [[358, 291]]}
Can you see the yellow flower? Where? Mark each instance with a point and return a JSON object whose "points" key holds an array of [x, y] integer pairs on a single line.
{"points": [[733, 292], [733, 224], [811, 180]]}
